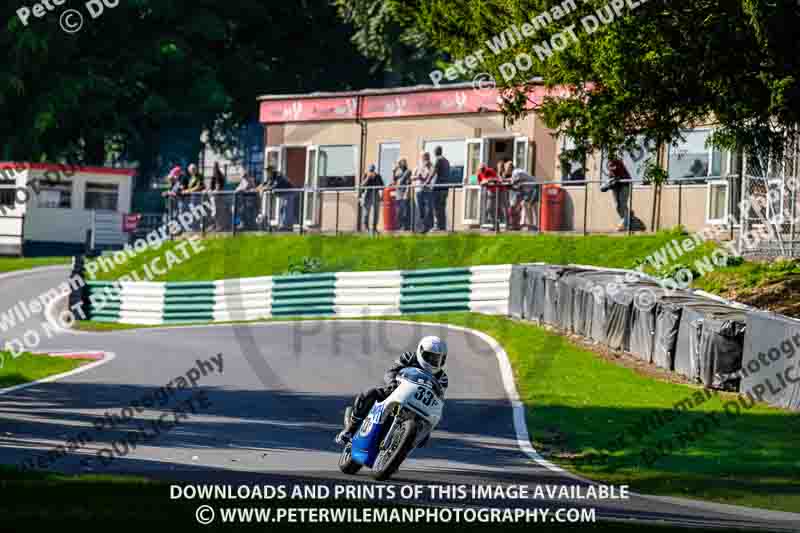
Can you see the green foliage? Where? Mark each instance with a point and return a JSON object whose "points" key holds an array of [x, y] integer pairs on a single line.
{"points": [[146, 66], [652, 71], [401, 50], [306, 265], [655, 174]]}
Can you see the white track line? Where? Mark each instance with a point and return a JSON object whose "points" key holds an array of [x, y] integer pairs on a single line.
{"points": [[108, 356], [37, 270]]}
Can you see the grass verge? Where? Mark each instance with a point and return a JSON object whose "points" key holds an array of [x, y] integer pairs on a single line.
{"points": [[578, 404], [254, 255], [28, 367], [10, 264]]}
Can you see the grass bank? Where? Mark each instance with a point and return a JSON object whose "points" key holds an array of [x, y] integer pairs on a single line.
{"points": [[28, 367], [578, 404], [10, 264], [253, 255]]}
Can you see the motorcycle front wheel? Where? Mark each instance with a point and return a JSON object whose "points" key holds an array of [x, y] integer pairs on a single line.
{"points": [[394, 452], [346, 463]]}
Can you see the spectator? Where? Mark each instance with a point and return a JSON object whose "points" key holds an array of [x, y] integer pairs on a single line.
{"points": [[196, 181], [504, 176], [246, 201], [527, 192], [402, 182], [488, 178], [514, 197], [371, 196], [220, 209], [441, 178], [174, 191], [621, 190], [277, 184], [174, 179], [217, 179], [194, 188], [422, 177]]}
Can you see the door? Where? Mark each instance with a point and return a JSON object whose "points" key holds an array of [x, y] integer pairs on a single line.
{"points": [[475, 155], [311, 192], [388, 154], [522, 153], [275, 157]]}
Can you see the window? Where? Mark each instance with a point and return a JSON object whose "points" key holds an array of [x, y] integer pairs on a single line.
{"points": [[717, 202], [634, 159], [8, 196], [453, 150], [101, 196], [337, 166], [571, 169], [690, 158], [54, 194], [388, 154]]}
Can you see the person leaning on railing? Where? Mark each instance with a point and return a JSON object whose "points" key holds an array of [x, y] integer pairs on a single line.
{"points": [[619, 184], [277, 184], [246, 200], [487, 178], [402, 182]]}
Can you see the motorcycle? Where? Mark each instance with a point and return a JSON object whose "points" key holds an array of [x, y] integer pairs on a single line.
{"points": [[395, 426]]}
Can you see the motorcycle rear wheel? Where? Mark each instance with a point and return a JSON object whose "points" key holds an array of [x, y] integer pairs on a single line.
{"points": [[395, 452]]}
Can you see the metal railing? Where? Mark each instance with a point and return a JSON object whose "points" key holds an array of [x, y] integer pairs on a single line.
{"points": [[550, 206]]}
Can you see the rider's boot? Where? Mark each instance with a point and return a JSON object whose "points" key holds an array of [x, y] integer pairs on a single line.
{"points": [[346, 435]]}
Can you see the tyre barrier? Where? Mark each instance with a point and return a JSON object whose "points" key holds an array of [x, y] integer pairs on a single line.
{"points": [[482, 289], [713, 342]]}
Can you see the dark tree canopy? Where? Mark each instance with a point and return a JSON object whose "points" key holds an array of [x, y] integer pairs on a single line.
{"points": [[147, 65], [653, 69]]}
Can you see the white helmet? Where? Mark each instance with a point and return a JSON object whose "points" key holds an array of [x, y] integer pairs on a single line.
{"points": [[432, 354]]}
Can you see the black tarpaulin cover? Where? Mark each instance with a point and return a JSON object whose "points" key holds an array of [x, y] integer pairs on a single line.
{"points": [[668, 317], [619, 305], [534, 294], [551, 276], [566, 296], [778, 339], [518, 286], [643, 321], [589, 302], [703, 355]]}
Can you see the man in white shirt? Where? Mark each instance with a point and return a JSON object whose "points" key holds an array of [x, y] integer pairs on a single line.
{"points": [[527, 187]]}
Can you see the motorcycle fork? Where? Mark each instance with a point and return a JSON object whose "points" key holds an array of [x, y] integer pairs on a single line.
{"points": [[396, 415]]}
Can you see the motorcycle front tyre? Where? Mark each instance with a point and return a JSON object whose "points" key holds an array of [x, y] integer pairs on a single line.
{"points": [[346, 463], [389, 460]]}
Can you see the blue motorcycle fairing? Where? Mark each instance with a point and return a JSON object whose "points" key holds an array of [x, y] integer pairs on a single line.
{"points": [[365, 447]]}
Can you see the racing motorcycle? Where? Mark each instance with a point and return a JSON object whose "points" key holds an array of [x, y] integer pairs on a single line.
{"points": [[395, 426]]}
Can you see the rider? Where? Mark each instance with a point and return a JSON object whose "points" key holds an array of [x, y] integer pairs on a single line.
{"points": [[431, 356]]}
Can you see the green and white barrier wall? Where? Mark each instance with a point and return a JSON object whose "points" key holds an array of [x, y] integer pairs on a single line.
{"points": [[482, 289]]}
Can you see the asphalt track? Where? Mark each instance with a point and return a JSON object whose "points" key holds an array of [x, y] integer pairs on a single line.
{"points": [[277, 404]]}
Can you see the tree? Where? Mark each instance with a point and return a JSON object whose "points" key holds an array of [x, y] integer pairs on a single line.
{"points": [[651, 71], [385, 32], [145, 66]]}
